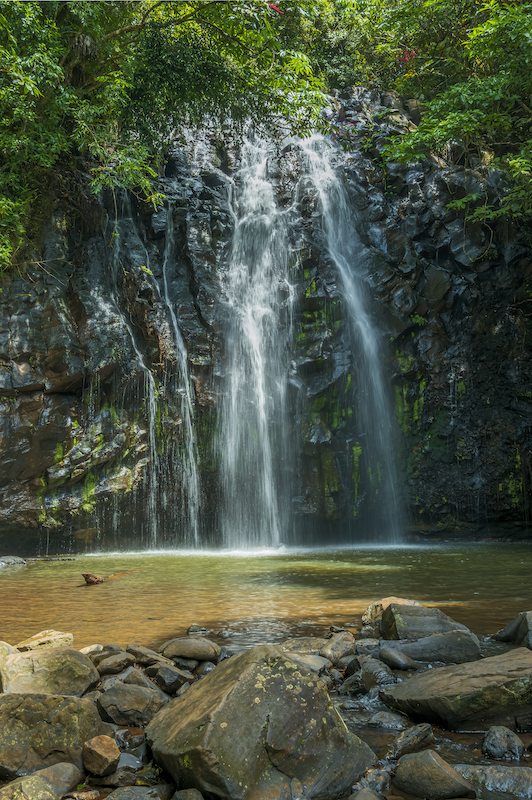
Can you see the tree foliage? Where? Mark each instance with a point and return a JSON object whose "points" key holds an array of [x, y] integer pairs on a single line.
{"points": [[108, 80]]}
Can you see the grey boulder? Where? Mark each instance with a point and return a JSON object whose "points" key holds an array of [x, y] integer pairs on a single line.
{"points": [[453, 647], [252, 727], [474, 696], [127, 704], [416, 622], [501, 742], [518, 631]]}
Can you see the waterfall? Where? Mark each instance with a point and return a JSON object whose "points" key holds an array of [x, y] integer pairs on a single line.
{"points": [[253, 438], [373, 431]]}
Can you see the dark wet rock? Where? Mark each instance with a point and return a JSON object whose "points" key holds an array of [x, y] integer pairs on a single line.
{"points": [[145, 656], [512, 781], [55, 670], [170, 679], [416, 622], [369, 647], [474, 696], [163, 791], [518, 631], [339, 645], [203, 669], [411, 740], [427, 775], [115, 663], [233, 718], [500, 742], [47, 729], [186, 663], [101, 755], [188, 794], [395, 659], [126, 704], [353, 686], [137, 677], [194, 647], [375, 780], [119, 778], [375, 673], [454, 647]]}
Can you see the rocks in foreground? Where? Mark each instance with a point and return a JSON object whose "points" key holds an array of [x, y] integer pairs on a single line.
{"points": [[468, 697], [38, 730], [253, 727]]}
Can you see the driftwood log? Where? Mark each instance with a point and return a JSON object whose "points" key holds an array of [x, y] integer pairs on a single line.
{"points": [[91, 579]]}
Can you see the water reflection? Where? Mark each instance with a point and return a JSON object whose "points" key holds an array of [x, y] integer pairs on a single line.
{"points": [[263, 597]]}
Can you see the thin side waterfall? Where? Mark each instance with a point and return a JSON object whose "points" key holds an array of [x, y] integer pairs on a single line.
{"points": [[186, 457], [372, 444], [253, 441]]}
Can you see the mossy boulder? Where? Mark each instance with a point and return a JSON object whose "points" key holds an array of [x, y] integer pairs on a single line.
{"points": [[252, 727]]}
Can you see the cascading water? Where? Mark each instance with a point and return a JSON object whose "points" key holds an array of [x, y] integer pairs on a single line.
{"points": [[253, 440], [373, 435]]}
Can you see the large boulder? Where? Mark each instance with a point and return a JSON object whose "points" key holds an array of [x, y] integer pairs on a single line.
{"points": [[127, 704], [416, 622], [474, 696], [252, 727], [453, 647], [57, 670], [518, 631], [427, 775], [38, 730], [194, 647]]}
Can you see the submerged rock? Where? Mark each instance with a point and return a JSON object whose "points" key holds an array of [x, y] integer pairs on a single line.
{"points": [[252, 726], [474, 696]]}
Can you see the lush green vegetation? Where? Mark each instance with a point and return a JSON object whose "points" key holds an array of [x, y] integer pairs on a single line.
{"points": [[108, 81]]}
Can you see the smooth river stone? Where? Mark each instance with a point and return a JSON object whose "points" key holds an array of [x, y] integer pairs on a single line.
{"points": [[469, 697], [427, 775], [194, 647]]}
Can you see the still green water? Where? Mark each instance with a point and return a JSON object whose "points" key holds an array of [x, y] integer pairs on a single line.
{"points": [[262, 597]]}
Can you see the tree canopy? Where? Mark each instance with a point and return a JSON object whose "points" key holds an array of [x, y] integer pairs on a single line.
{"points": [[109, 81]]}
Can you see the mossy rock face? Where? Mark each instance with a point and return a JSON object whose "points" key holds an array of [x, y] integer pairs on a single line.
{"points": [[254, 725], [31, 787], [474, 696], [39, 730]]}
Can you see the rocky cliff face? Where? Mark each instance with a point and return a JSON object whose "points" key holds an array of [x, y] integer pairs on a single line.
{"points": [[94, 429]]}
